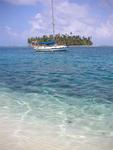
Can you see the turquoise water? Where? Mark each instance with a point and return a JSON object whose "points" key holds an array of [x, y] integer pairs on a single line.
{"points": [[73, 90]]}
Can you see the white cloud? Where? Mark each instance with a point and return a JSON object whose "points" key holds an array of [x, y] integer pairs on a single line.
{"points": [[107, 4], [10, 37], [22, 2], [105, 30], [38, 22], [10, 32], [71, 17]]}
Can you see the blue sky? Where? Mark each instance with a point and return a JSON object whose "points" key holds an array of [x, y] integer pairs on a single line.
{"points": [[20, 19]]}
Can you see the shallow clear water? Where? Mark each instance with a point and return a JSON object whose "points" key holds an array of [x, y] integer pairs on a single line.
{"points": [[71, 90]]}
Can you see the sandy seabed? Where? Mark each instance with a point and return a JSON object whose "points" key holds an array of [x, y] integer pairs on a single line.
{"points": [[22, 135]]}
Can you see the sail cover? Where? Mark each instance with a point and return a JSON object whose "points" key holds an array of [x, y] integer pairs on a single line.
{"points": [[47, 43]]}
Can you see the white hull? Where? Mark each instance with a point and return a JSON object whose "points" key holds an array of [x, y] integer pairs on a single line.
{"points": [[50, 48]]}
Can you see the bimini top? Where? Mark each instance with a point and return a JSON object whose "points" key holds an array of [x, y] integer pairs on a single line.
{"points": [[47, 43]]}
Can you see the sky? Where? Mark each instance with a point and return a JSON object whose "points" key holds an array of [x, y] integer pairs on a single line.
{"points": [[20, 19]]}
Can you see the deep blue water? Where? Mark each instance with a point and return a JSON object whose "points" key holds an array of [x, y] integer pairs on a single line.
{"points": [[73, 88], [79, 72]]}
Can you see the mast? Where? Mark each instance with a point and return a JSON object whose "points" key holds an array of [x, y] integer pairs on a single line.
{"points": [[53, 20]]}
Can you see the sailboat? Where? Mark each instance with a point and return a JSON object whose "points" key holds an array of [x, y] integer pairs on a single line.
{"points": [[50, 45]]}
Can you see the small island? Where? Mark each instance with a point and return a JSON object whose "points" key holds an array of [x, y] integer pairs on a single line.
{"points": [[62, 39]]}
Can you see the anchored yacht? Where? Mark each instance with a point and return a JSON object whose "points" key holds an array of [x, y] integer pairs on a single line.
{"points": [[49, 45]]}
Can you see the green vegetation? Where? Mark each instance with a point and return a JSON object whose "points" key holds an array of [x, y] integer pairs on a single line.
{"points": [[63, 39]]}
